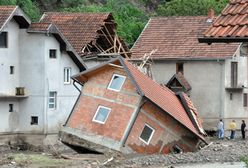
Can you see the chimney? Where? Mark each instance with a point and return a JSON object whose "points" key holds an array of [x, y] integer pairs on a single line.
{"points": [[210, 16]]}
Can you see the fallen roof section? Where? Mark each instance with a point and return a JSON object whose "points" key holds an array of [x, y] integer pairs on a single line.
{"points": [[177, 38], [230, 25]]}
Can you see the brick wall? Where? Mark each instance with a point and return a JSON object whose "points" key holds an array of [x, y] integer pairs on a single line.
{"points": [[95, 93], [167, 132]]}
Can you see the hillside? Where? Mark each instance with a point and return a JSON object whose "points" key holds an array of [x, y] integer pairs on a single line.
{"points": [[130, 15]]}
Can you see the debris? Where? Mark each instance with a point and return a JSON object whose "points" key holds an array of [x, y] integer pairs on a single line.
{"points": [[109, 160]]}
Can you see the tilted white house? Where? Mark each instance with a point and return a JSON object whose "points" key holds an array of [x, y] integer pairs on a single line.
{"points": [[36, 62]]}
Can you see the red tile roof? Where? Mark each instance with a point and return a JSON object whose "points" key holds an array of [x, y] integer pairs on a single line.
{"points": [[193, 112], [181, 79], [177, 37], [161, 96], [5, 12], [79, 28], [231, 25], [39, 27]]}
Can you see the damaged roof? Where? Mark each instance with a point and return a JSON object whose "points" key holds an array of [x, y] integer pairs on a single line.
{"points": [[177, 38], [81, 29], [230, 26], [163, 97], [9, 12]]}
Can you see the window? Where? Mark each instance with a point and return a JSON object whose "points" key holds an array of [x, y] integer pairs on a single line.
{"points": [[67, 75], [245, 99], [52, 102], [11, 107], [231, 96], [52, 53], [147, 134], [3, 40], [234, 74], [34, 120], [11, 69], [179, 67], [116, 82], [101, 114]]}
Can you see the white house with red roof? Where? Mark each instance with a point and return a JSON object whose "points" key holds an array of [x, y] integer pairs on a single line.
{"points": [[214, 76], [36, 62]]}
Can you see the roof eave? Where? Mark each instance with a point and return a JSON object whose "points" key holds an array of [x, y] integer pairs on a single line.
{"points": [[210, 40]]}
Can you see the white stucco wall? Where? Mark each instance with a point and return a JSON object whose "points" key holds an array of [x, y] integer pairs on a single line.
{"points": [[9, 57], [207, 82], [34, 70]]}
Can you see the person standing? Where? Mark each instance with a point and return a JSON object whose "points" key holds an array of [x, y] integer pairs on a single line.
{"points": [[243, 125], [220, 128], [232, 127]]}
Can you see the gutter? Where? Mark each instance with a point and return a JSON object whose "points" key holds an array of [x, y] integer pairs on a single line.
{"points": [[132, 121], [80, 93]]}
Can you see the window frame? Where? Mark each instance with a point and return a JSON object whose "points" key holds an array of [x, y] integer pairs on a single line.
{"points": [[234, 74], [11, 107], [98, 109], [55, 100], [245, 103], [122, 76], [67, 75], [11, 70], [33, 118], [150, 138], [6, 40], [50, 51], [180, 67]]}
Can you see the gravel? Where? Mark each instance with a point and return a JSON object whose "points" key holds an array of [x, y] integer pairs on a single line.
{"points": [[217, 151]]}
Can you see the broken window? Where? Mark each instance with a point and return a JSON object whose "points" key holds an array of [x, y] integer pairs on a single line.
{"points": [[179, 67], [11, 107], [67, 75], [3, 40], [234, 74], [101, 114], [52, 102], [147, 134], [34, 120], [245, 99], [11, 68], [116, 82], [52, 53]]}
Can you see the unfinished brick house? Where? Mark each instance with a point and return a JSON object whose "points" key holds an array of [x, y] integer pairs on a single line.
{"points": [[92, 35], [122, 109]]}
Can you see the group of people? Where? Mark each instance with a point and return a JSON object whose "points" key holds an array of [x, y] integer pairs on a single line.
{"points": [[232, 128]]}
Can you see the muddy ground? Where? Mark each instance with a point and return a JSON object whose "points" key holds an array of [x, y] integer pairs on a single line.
{"points": [[13, 156]]}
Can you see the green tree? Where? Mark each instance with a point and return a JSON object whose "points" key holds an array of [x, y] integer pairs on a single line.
{"points": [[190, 7], [29, 7], [129, 18]]}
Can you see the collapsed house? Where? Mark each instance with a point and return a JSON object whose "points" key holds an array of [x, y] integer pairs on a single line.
{"points": [[122, 109], [92, 35]]}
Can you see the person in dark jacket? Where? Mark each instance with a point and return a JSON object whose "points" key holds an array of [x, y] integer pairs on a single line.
{"points": [[243, 125]]}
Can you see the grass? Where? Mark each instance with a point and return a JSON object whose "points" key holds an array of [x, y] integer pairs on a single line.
{"points": [[38, 160], [244, 159]]}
